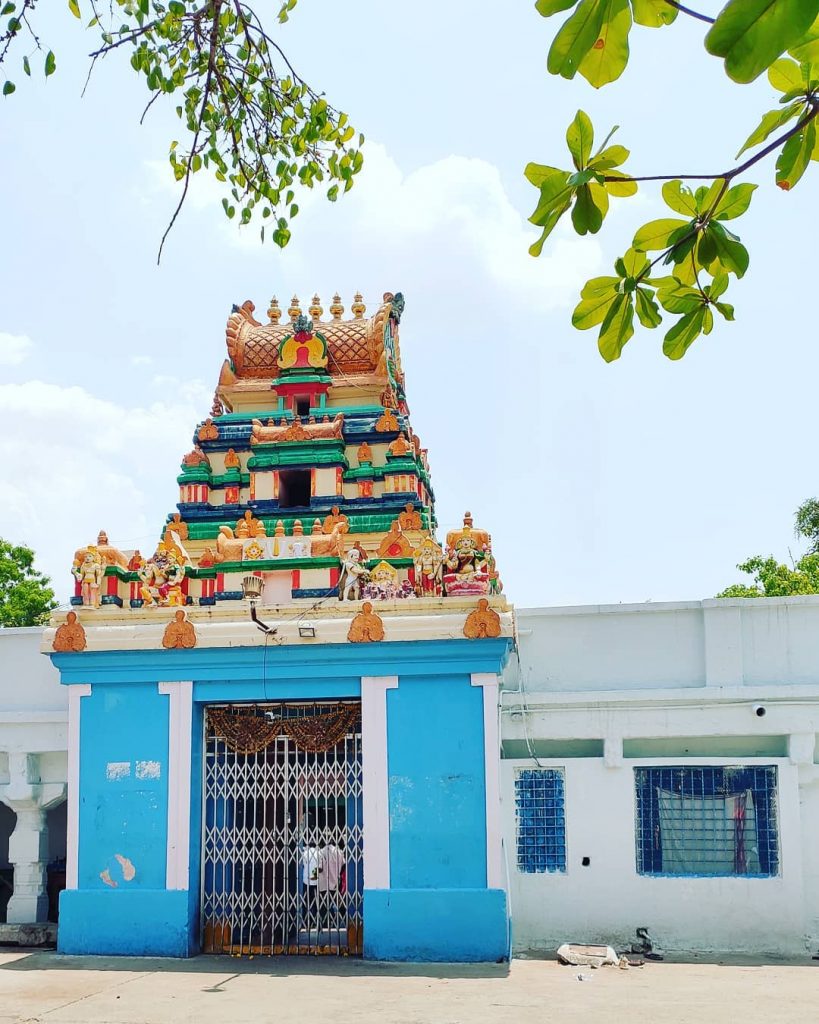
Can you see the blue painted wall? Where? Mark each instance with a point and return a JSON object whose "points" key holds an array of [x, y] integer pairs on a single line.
{"points": [[437, 795], [123, 804]]}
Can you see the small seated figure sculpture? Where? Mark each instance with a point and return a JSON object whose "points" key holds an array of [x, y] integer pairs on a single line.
{"points": [[366, 627], [336, 518], [465, 571], [483, 622], [179, 633], [400, 446], [162, 577], [70, 636], [365, 454], [208, 431], [410, 518], [232, 460], [395, 544]]}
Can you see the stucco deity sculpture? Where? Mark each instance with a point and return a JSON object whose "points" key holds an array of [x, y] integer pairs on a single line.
{"points": [[247, 526], [353, 574], [179, 633], [428, 558], [366, 627], [70, 636], [89, 573], [483, 622], [335, 518], [162, 577], [410, 518], [465, 568], [228, 547]]}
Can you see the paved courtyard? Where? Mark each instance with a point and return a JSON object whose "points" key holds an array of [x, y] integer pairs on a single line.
{"points": [[44, 987]]}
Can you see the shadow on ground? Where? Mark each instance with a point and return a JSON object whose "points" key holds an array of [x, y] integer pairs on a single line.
{"points": [[342, 967]]}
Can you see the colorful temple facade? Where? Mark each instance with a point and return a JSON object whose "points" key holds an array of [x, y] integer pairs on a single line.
{"points": [[283, 728]]}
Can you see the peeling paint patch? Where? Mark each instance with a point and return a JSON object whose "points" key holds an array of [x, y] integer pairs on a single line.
{"points": [[106, 877], [115, 771], [148, 769], [128, 869]]}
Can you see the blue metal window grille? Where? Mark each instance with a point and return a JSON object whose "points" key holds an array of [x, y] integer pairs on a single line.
{"points": [[704, 821], [540, 820]]}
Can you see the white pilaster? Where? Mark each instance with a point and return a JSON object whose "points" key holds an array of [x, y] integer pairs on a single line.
{"points": [[28, 845], [491, 749], [376, 804], [76, 691], [177, 868]]}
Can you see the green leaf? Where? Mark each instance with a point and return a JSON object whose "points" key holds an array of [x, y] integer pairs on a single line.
{"points": [[575, 38], [587, 218], [617, 328], [680, 198], [598, 286], [8, 88], [653, 13], [592, 311], [536, 174], [7, 9], [648, 312], [785, 75], [608, 56], [27, 66], [74, 7], [717, 286], [580, 138], [633, 263], [770, 122], [610, 157], [795, 156], [548, 222], [807, 47], [50, 63], [731, 253], [685, 331], [751, 34], [676, 297], [725, 309], [735, 201], [656, 233], [555, 191], [617, 184], [706, 248], [549, 7]]}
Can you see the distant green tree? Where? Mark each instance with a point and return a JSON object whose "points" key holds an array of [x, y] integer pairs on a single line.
{"points": [[26, 599], [772, 578]]}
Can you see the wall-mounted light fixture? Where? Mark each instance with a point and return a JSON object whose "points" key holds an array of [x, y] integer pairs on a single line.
{"points": [[252, 587]]}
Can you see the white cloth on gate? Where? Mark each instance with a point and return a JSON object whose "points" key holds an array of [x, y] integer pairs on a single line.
{"points": [[310, 865], [330, 863]]}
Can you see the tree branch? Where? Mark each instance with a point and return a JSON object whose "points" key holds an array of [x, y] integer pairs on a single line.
{"points": [[690, 13]]}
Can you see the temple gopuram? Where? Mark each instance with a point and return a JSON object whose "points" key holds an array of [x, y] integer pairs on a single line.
{"points": [[283, 728]]}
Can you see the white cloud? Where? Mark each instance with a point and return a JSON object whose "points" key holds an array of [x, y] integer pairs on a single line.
{"points": [[78, 463], [14, 348], [454, 217]]}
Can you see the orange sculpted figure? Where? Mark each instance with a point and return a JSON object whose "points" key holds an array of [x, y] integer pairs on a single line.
{"points": [[231, 459], [247, 526], [336, 519], [176, 526], [387, 423], [394, 543], [400, 446], [365, 454], [70, 636], [179, 632], [208, 431], [135, 562], [410, 518], [366, 627], [483, 622]]}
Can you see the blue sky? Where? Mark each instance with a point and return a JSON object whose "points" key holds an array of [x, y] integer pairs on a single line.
{"points": [[643, 480]]}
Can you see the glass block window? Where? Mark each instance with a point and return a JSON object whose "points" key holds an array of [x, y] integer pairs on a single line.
{"points": [[540, 820], [703, 821]]}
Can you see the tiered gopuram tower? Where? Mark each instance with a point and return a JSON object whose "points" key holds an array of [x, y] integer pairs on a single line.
{"points": [[283, 721]]}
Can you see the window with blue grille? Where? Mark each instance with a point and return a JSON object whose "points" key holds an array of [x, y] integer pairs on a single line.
{"points": [[540, 820], [705, 821]]}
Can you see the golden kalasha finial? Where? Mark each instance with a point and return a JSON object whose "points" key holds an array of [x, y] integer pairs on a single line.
{"points": [[274, 312], [336, 309], [315, 308], [358, 307], [295, 309]]}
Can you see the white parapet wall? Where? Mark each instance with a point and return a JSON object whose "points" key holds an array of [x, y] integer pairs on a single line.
{"points": [[597, 692]]}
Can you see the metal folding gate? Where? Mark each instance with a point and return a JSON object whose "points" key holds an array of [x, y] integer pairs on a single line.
{"points": [[282, 857]]}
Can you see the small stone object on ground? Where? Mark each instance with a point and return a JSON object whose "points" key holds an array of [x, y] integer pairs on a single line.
{"points": [[580, 955]]}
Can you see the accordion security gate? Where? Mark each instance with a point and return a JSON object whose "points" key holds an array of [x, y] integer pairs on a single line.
{"points": [[282, 829]]}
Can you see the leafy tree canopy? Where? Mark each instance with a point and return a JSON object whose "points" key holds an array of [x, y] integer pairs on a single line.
{"points": [[771, 578], [26, 599], [246, 116], [679, 266]]}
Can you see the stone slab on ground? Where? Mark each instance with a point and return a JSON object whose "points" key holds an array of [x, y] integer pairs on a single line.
{"points": [[53, 989]]}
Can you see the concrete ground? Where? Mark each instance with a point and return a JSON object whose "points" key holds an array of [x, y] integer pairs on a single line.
{"points": [[45, 987]]}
